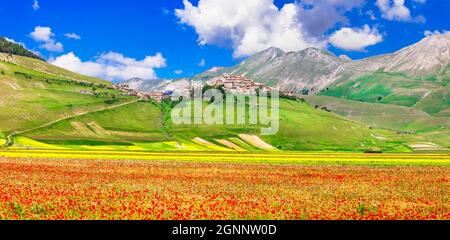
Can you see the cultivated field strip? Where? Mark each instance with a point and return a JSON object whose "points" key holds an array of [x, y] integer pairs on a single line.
{"points": [[244, 157]]}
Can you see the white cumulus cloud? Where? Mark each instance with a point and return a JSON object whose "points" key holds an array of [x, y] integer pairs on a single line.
{"points": [[53, 46], [248, 26], [355, 39], [72, 36], [396, 10], [112, 66], [202, 63], [178, 72], [44, 35]]}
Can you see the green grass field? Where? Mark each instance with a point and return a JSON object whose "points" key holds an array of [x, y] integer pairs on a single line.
{"points": [[137, 121]]}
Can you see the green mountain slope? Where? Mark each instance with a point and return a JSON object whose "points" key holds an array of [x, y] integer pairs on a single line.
{"points": [[27, 64], [31, 98], [430, 94], [417, 76]]}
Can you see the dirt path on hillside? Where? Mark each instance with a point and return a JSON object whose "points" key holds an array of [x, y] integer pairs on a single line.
{"points": [[9, 138]]}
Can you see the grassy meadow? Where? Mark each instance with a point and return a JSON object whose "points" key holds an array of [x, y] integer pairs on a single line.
{"points": [[147, 127]]}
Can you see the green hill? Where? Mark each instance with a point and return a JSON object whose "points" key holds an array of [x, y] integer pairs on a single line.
{"points": [[301, 128], [45, 69], [35, 93], [429, 94]]}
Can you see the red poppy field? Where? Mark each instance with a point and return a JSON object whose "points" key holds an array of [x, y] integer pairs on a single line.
{"points": [[63, 188]]}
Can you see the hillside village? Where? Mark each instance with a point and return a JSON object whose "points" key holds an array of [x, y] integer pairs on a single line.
{"points": [[234, 84], [143, 96], [239, 85]]}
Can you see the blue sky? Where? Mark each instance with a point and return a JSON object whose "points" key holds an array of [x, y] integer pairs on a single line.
{"points": [[119, 39]]}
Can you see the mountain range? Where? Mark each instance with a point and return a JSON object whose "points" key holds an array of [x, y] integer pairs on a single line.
{"points": [[312, 70], [424, 67], [416, 76]]}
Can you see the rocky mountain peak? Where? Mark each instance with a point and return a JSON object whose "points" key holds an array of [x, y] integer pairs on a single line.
{"points": [[273, 50], [425, 57], [270, 53]]}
